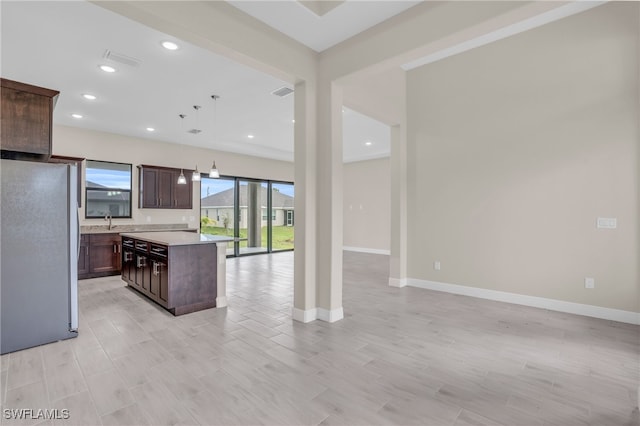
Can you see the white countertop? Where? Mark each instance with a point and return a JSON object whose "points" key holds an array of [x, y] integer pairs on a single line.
{"points": [[177, 238]]}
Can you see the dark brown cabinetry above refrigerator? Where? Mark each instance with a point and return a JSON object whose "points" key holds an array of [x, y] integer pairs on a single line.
{"points": [[26, 121]]}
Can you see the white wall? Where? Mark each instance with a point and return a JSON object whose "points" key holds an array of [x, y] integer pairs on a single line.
{"points": [[515, 149], [93, 145], [367, 194]]}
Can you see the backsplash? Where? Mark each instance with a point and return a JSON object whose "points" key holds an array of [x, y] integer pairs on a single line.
{"points": [[98, 229]]}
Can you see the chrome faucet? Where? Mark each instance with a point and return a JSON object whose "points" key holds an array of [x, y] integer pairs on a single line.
{"points": [[108, 217]]}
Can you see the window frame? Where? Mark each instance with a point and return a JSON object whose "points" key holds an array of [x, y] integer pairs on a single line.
{"points": [[238, 213], [86, 190]]}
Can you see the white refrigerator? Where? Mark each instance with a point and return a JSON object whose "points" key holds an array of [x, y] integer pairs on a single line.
{"points": [[39, 233]]}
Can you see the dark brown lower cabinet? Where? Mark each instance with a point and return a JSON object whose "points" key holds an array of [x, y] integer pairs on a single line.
{"points": [[83, 256], [100, 255], [142, 273], [128, 264], [159, 281]]}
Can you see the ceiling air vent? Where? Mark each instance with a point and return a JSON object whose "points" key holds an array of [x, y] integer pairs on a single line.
{"points": [[194, 131], [283, 91], [120, 58]]}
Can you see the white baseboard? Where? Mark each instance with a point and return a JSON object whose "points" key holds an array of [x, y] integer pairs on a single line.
{"points": [[534, 301], [397, 282], [305, 316], [330, 315], [367, 250], [221, 301], [318, 313]]}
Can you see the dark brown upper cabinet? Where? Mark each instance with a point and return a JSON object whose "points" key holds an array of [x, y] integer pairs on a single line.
{"points": [[26, 121], [159, 188]]}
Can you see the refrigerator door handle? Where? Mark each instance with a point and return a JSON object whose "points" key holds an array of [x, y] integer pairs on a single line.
{"points": [[78, 228], [75, 239]]}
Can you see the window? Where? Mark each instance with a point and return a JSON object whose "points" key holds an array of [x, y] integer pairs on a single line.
{"points": [[264, 214], [257, 213], [108, 189]]}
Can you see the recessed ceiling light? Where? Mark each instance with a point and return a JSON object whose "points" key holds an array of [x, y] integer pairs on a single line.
{"points": [[76, 115], [250, 136], [89, 96], [169, 45], [150, 129], [293, 121], [107, 68], [368, 143]]}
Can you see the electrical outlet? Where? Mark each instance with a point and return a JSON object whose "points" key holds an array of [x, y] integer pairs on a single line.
{"points": [[589, 282], [436, 265]]}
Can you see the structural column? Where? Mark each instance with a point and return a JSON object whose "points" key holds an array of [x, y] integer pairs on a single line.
{"points": [[329, 201], [398, 258], [304, 294]]}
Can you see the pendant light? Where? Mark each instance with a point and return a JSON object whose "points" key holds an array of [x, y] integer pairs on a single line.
{"points": [[213, 173], [195, 177], [181, 179]]}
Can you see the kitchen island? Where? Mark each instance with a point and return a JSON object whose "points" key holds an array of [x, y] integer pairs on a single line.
{"points": [[181, 271]]}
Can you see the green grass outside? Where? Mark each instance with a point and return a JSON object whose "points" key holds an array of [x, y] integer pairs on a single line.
{"points": [[282, 236]]}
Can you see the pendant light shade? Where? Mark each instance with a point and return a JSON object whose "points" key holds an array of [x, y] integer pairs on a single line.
{"points": [[181, 179], [195, 177], [213, 173]]}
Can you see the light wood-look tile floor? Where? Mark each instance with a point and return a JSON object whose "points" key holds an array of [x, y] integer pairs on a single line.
{"points": [[400, 356]]}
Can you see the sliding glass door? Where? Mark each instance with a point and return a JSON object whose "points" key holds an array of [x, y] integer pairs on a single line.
{"points": [[253, 216], [217, 208], [282, 216], [258, 214]]}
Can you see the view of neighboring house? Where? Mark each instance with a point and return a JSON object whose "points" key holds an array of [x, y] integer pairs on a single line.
{"points": [[219, 208], [103, 200]]}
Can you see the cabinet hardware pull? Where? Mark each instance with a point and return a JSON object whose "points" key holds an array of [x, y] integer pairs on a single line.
{"points": [[115, 250]]}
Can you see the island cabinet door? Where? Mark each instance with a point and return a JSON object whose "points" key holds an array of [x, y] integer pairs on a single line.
{"points": [[128, 266], [159, 286], [142, 273]]}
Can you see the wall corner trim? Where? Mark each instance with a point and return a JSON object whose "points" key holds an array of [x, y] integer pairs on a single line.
{"points": [[367, 250], [533, 301], [305, 316], [397, 282], [330, 315], [221, 301]]}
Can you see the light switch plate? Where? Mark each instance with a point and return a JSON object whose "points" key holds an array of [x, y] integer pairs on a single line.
{"points": [[589, 282], [607, 223]]}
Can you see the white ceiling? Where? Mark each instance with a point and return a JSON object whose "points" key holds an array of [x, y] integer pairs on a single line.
{"points": [[343, 21], [60, 45]]}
